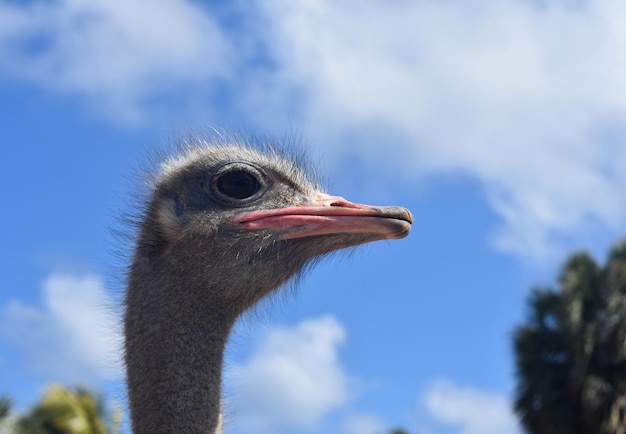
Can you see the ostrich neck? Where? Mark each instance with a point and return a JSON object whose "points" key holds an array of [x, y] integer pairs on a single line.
{"points": [[175, 340]]}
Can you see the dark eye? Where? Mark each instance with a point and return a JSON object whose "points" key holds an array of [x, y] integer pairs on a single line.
{"points": [[237, 184]]}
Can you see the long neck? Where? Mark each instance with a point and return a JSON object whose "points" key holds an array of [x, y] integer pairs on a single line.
{"points": [[175, 340]]}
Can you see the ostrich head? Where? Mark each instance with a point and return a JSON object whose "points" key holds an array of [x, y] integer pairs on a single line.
{"points": [[226, 225]]}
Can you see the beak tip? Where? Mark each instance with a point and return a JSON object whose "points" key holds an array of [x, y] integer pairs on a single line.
{"points": [[409, 216]]}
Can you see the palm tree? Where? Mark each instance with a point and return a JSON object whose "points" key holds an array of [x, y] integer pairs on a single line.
{"points": [[65, 411], [5, 408], [5, 411], [571, 353]]}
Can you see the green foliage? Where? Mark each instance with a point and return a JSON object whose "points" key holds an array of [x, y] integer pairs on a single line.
{"points": [[64, 411], [571, 353], [5, 408]]}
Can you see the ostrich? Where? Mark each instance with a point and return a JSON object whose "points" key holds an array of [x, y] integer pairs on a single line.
{"points": [[226, 225]]}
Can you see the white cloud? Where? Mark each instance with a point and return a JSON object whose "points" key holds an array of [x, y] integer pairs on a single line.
{"points": [[363, 423], [73, 336], [470, 410], [293, 380], [519, 96], [528, 98], [120, 55]]}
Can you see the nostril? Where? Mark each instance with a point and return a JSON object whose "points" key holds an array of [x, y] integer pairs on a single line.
{"points": [[334, 201], [342, 203]]}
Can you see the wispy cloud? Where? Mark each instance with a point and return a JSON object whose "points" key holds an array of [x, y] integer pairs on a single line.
{"points": [[73, 336], [469, 410], [526, 98], [363, 423], [293, 380], [119, 55]]}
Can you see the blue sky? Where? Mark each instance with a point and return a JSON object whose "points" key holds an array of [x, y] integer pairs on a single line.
{"points": [[501, 126]]}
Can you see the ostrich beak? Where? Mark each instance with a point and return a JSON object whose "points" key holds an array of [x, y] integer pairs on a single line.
{"points": [[330, 215]]}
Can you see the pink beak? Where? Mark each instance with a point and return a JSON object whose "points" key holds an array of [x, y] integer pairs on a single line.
{"points": [[330, 215]]}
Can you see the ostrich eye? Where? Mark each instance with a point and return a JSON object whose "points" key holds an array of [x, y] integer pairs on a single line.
{"points": [[238, 184]]}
